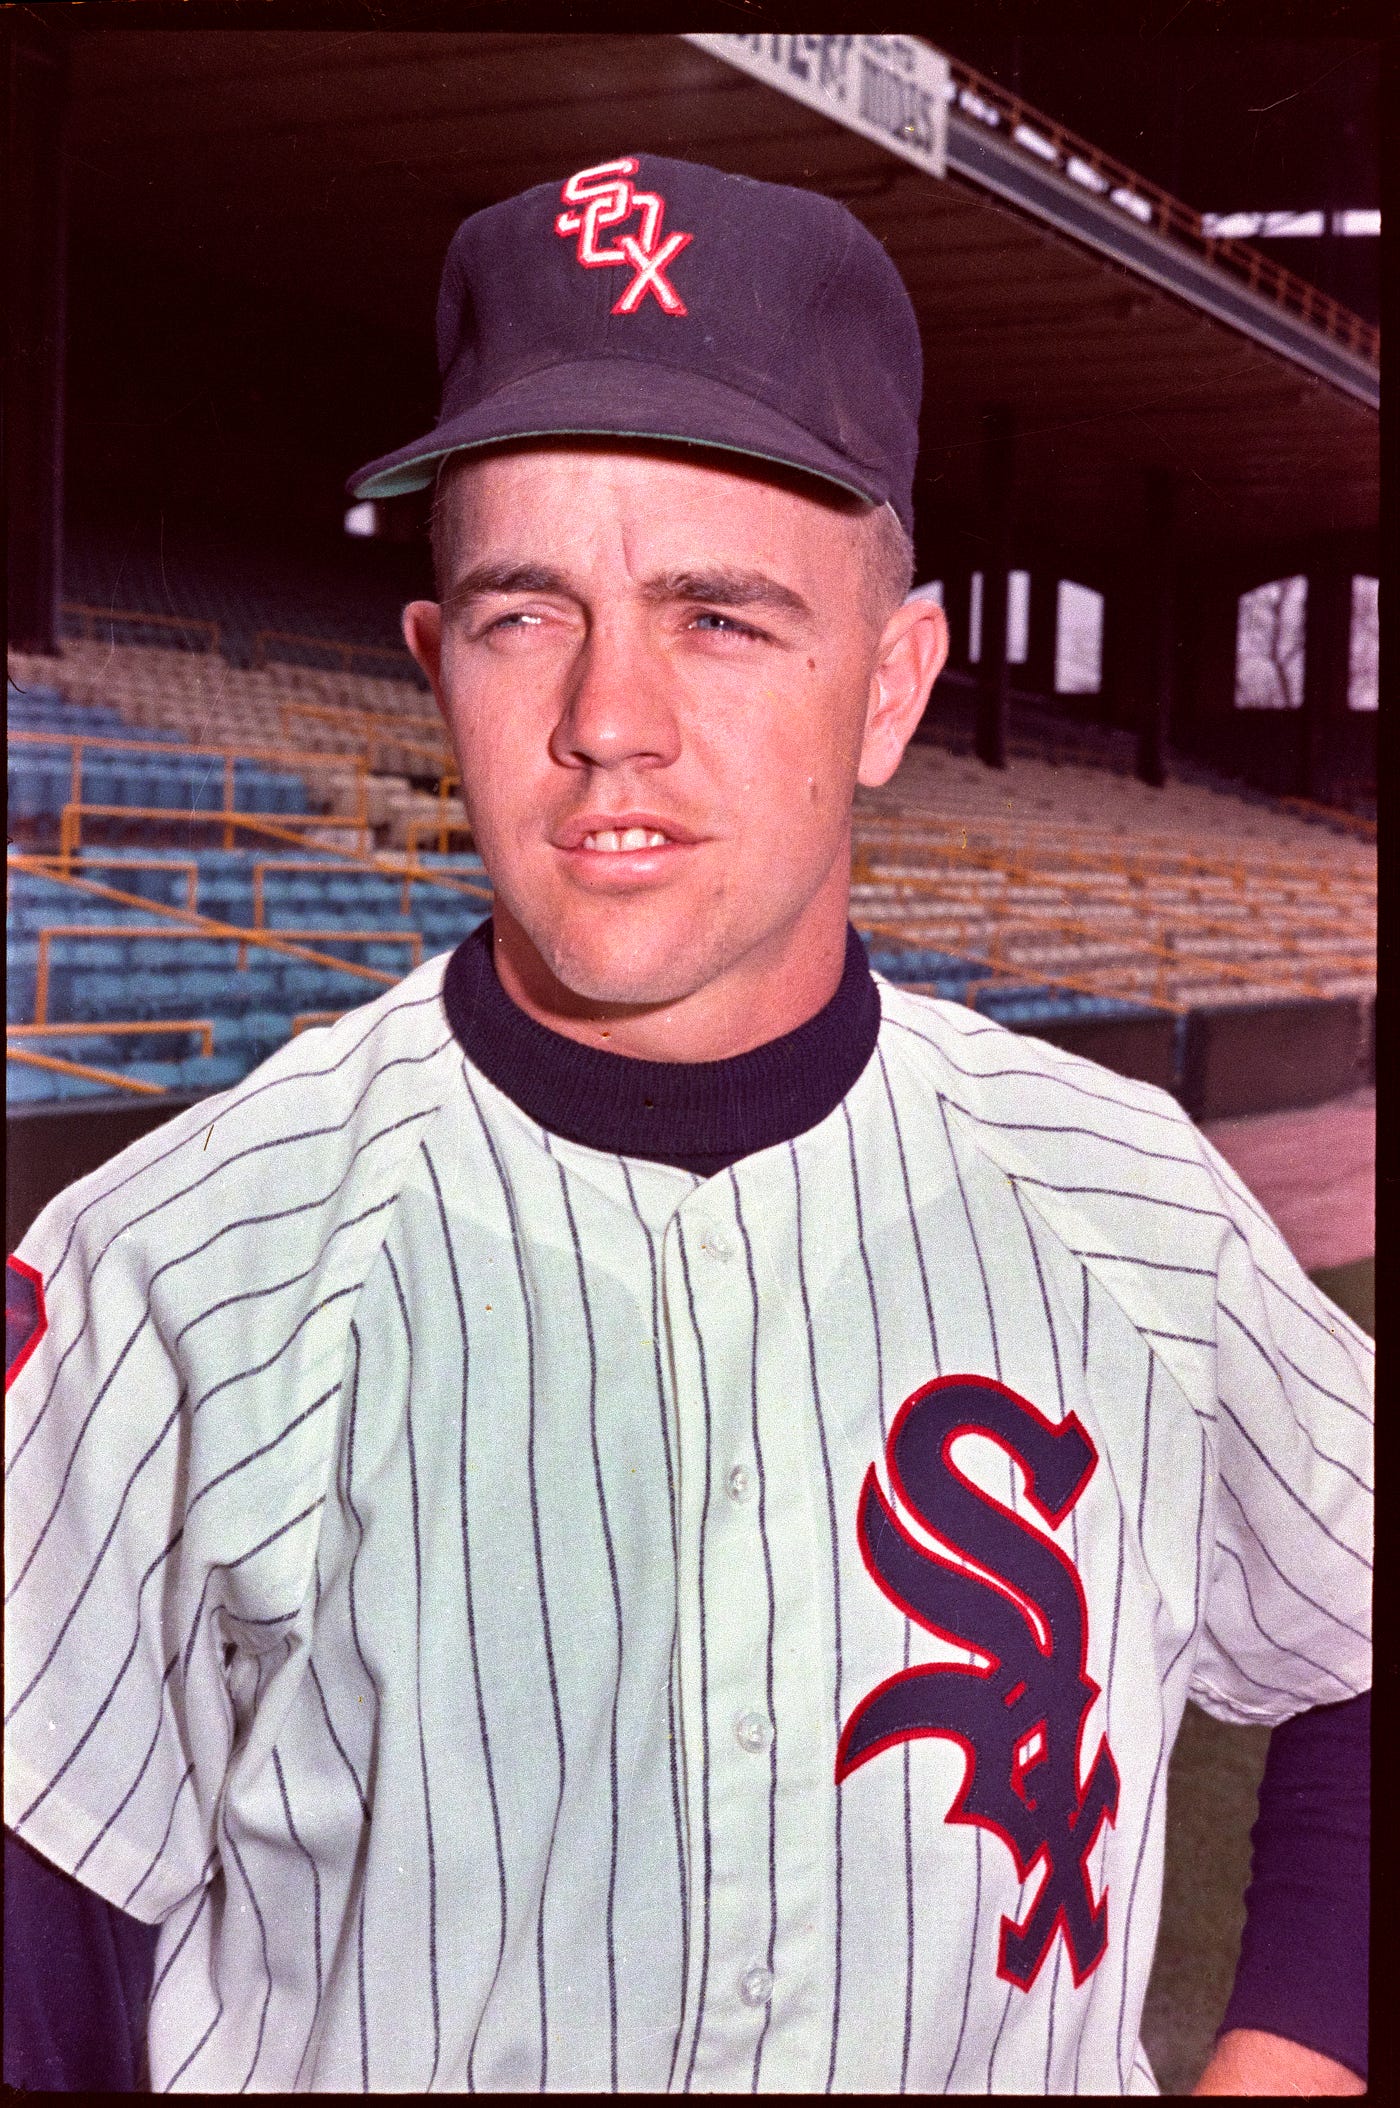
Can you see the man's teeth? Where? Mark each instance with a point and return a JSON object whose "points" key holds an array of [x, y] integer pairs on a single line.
{"points": [[630, 838]]}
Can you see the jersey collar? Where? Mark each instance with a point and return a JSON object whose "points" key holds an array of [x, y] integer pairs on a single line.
{"points": [[701, 1116]]}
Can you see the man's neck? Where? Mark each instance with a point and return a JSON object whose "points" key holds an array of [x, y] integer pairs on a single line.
{"points": [[771, 991], [702, 1115]]}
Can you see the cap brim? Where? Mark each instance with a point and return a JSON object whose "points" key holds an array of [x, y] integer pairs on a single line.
{"points": [[619, 399]]}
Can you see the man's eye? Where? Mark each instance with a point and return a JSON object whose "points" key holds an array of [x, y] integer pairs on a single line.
{"points": [[717, 625], [515, 622]]}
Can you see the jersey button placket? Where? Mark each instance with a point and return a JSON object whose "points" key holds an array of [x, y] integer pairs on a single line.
{"points": [[782, 1452], [739, 1754]]}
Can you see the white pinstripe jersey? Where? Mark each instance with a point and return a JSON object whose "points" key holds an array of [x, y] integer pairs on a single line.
{"points": [[435, 1588]]}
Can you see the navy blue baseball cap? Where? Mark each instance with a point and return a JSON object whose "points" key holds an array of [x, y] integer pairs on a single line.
{"points": [[654, 299]]}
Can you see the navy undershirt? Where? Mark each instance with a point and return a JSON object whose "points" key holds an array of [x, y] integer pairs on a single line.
{"points": [[78, 1971], [699, 1115]]}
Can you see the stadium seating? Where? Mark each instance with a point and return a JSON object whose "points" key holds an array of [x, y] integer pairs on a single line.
{"points": [[1061, 897], [41, 779], [163, 694], [168, 970], [1179, 897]]}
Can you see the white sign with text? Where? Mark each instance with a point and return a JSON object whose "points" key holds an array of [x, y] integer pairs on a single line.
{"points": [[893, 90]]}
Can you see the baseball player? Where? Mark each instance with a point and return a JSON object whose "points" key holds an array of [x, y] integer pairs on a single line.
{"points": [[641, 1512]]}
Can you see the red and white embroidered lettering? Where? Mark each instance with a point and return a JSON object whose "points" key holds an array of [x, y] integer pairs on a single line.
{"points": [[604, 197]]}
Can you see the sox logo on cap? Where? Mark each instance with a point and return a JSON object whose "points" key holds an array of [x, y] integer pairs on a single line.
{"points": [[608, 199]]}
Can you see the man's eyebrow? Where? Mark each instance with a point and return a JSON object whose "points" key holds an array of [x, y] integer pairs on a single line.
{"points": [[728, 588], [733, 588], [505, 577]]}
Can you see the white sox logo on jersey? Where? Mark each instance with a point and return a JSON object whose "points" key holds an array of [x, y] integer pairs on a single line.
{"points": [[1019, 1715], [604, 197], [26, 1320]]}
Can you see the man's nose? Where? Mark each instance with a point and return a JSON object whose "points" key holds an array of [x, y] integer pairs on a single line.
{"points": [[619, 706]]}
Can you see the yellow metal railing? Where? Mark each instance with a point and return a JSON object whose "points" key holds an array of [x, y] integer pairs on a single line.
{"points": [[286, 758], [343, 653], [102, 1028], [287, 827], [380, 864], [186, 865], [92, 620], [114, 1077], [1130, 916], [1024, 847], [411, 874], [1333, 816], [1047, 142], [208, 931], [384, 727], [443, 827], [194, 924]]}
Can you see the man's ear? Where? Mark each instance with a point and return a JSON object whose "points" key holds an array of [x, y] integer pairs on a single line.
{"points": [[422, 633], [912, 651]]}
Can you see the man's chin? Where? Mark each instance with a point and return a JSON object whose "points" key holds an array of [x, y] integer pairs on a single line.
{"points": [[621, 983], [599, 961]]}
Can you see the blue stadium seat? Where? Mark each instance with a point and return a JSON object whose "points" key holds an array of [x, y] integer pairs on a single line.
{"points": [[26, 1085], [898, 963], [1043, 1006], [155, 978]]}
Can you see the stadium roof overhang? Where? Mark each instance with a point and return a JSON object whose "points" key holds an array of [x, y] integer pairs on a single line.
{"points": [[330, 167]]}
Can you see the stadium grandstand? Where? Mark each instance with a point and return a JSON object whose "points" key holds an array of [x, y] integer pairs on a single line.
{"points": [[1139, 818]]}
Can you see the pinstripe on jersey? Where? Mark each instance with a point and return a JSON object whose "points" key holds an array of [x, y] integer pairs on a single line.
{"points": [[434, 1586]]}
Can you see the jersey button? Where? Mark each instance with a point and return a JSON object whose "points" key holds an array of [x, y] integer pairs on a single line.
{"points": [[756, 1986], [753, 1733], [716, 1242], [738, 1485]]}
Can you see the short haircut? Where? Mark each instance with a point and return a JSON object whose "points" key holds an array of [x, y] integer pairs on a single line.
{"points": [[886, 554], [887, 560]]}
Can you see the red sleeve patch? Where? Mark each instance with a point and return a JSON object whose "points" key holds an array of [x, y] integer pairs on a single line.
{"points": [[26, 1320]]}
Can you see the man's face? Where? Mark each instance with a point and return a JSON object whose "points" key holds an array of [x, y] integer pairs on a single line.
{"points": [[660, 679]]}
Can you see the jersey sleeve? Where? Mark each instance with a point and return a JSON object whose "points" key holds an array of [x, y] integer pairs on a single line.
{"points": [[165, 1477], [1286, 1621]]}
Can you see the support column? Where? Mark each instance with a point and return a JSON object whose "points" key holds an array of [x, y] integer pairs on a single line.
{"points": [[957, 606], [993, 672], [36, 91], [1326, 675], [1158, 681]]}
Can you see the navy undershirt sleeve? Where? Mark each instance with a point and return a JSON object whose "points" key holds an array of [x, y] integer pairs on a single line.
{"points": [[77, 1983], [1303, 1959]]}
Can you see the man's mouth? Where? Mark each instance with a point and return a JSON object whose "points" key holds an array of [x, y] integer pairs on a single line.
{"points": [[609, 840], [637, 838]]}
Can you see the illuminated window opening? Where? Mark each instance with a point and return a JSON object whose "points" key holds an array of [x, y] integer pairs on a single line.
{"points": [[1270, 633], [1078, 639], [1363, 673]]}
